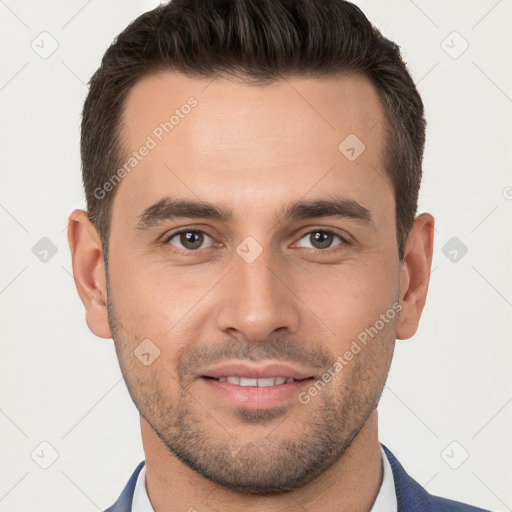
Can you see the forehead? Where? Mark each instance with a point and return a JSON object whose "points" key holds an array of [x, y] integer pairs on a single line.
{"points": [[226, 140]]}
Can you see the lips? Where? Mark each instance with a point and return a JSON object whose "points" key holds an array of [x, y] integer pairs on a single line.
{"points": [[251, 371], [249, 396]]}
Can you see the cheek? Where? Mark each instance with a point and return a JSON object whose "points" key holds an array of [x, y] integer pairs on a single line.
{"points": [[138, 297], [157, 301], [354, 298]]}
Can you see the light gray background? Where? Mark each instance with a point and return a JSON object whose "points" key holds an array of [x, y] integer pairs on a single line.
{"points": [[451, 383]]}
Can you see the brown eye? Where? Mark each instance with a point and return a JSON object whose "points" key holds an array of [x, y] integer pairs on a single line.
{"points": [[188, 239], [322, 239]]}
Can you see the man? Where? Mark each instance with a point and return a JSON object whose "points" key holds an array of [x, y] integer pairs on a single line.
{"points": [[251, 245]]}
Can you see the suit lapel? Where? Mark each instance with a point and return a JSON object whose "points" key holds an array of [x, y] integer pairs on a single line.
{"points": [[409, 494], [124, 502]]}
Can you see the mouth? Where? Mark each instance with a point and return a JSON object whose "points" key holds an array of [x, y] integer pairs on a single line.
{"points": [[247, 385], [254, 382], [251, 393]]}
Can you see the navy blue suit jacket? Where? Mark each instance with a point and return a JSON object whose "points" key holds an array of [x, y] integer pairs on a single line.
{"points": [[411, 497]]}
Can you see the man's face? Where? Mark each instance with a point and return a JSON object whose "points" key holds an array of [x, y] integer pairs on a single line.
{"points": [[259, 287]]}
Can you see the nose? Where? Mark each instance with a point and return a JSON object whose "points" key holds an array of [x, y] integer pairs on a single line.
{"points": [[257, 299]]}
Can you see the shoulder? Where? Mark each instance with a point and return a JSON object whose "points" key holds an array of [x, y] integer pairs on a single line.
{"points": [[447, 505], [412, 496]]}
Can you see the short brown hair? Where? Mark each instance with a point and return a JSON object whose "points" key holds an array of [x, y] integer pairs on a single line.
{"points": [[260, 41]]}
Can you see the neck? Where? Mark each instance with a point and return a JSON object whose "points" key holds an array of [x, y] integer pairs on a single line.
{"points": [[352, 483]]}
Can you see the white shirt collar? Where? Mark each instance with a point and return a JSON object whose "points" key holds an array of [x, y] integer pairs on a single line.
{"points": [[385, 501], [140, 502]]}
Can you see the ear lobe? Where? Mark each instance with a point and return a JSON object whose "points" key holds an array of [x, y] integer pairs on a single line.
{"points": [[415, 276], [89, 271]]}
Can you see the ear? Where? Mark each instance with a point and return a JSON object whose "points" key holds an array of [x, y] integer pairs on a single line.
{"points": [[415, 275], [89, 271]]}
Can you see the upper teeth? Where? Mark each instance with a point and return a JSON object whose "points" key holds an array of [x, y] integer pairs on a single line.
{"points": [[267, 381]]}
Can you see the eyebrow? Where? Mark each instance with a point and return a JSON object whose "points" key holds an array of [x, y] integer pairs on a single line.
{"points": [[173, 208]]}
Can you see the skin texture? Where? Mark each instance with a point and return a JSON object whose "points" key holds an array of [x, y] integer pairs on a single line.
{"points": [[255, 150]]}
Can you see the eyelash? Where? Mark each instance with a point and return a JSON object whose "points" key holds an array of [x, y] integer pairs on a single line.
{"points": [[185, 252]]}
